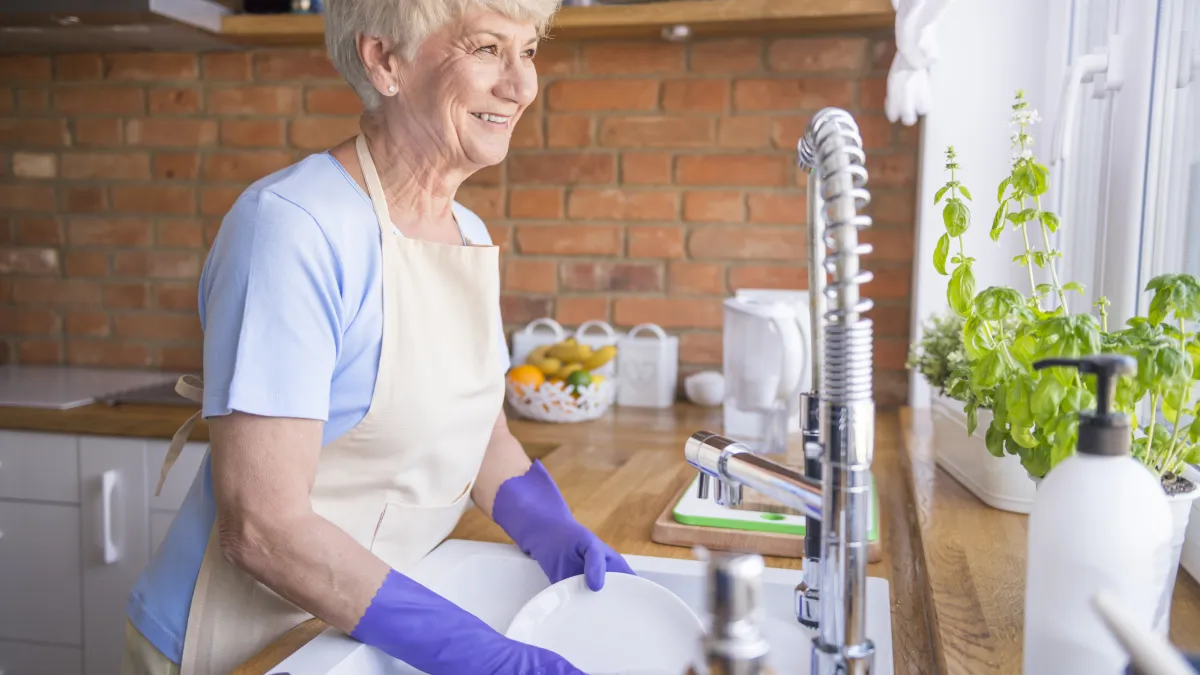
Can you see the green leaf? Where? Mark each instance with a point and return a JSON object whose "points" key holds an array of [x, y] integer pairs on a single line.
{"points": [[1003, 186], [995, 440], [1046, 399], [966, 193], [998, 222], [1050, 221], [999, 407], [1023, 216], [1024, 179], [1160, 306], [1066, 437], [938, 197], [1193, 456], [1147, 368], [1017, 403], [1073, 286], [972, 410], [1171, 363], [997, 303], [940, 253], [955, 215], [961, 290], [1024, 437], [973, 341], [1041, 179]]}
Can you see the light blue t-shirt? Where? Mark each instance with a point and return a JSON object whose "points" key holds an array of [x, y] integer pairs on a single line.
{"points": [[292, 309]]}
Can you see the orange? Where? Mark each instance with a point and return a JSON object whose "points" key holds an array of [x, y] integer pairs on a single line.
{"points": [[527, 376]]}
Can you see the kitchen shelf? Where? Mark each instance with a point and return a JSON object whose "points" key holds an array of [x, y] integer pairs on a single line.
{"points": [[634, 20]]}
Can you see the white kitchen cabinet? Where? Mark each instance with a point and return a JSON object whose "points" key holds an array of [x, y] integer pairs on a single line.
{"points": [[40, 586], [42, 467], [24, 658]]}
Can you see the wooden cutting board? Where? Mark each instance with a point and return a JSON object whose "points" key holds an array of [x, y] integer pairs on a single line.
{"points": [[668, 531]]}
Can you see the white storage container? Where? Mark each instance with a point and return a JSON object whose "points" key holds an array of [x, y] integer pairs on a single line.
{"points": [[1191, 545], [1000, 482], [529, 338], [648, 368], [584, 335]]}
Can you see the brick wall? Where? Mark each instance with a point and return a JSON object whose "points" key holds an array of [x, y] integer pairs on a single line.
{"points": [[648, 181]]}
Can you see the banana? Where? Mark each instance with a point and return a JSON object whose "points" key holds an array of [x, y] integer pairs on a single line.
{"points": [[548, 366], [600, 357], [538, 354], [567, 353], [567, 370]]}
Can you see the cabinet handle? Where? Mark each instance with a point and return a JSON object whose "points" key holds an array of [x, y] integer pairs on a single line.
{"points": [[108, 486]]}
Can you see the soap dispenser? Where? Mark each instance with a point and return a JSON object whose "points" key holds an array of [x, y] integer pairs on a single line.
{"points": [[1100, 523]]}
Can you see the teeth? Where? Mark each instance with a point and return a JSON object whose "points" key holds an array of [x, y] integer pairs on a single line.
{"points": [[488, 117]]}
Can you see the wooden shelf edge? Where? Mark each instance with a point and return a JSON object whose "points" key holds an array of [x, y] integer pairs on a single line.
{"points": [[705, 18]]}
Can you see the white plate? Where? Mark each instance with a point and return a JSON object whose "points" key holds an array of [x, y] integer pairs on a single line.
{"points": [[632, 626]]}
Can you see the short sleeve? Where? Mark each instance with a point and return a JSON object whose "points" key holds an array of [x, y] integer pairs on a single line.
{"points": [[475, 231], [272, 312]]}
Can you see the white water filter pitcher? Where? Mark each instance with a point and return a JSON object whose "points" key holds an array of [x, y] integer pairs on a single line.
{"points": [[765, 363]]}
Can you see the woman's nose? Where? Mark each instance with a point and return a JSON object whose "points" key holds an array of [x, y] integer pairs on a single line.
{"points": [[519, 82]]}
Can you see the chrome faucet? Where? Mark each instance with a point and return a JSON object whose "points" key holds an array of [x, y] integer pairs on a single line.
{"points": [[837, 415]]}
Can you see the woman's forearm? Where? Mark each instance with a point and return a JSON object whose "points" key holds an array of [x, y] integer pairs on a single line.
{"points": [[504, 459]]}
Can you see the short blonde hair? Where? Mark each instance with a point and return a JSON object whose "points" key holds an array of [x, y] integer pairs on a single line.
{"points": [[407, 23]]}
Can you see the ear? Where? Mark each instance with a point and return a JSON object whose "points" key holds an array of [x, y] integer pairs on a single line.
{"points": [[380, 63]]}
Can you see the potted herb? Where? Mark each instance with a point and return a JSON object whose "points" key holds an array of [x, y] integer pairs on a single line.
{"points": [[1033, 415]]}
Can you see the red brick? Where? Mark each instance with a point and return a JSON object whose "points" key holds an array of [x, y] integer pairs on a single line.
{"points": [[174, 101], [34, 164], [85, 199], [740, 55], [614, 204], [883, 51], [656, 242], [817, 55], [486, 202], [792, 94], [126, 295], [39, 352], [107, 354], [88, 323], [756, 170], [668, 312], [532, 276], [216, 201], [701, 348], [569, 240], [488, 175], [625, 58], [657, 132], [24, 260], [319, 133], [168, 132], [211, 227], [692, 278], [744, 132], [788, 131], [55, 292], [179, 233], [556, 58], [714, 207], [6, 103], [100, 100], [609, 276], [501, 236], [157, 264], [109, 231], [893, 207], [253, 100], [889, 244], [78, 67], [27, 197], [154, 199], [695, 96], [876, 132], [562, 168], [86, 264], [760, 243], [602, 95], [890, 353], [29, 321], [524, 308], [24, 67], [244, 166], [33, 131], [891, 319], [646, 168], [106, 165], [577, 310], [152, 66], [889, 282], [907, 137], [228, 66], [98, 131], [176, 165], [892, 170], [768, 276], [158, 326], [33, 100], [790, 208], [535, 203], [293, 64], [568, 131], [38, 231], [872, 92], [181, 357], [527, 133], [332, 101]]}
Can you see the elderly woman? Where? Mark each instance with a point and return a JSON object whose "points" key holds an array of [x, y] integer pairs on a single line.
{"points": [[354, 372]]}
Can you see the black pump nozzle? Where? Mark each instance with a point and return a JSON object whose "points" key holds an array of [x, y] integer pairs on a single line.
{"points": [[1102, 432]]}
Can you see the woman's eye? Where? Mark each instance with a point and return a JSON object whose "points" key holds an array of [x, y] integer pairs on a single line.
{"points": [[491, 49], [530, 53]]}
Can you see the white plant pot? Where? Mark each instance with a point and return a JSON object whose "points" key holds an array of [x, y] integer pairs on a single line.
{"points": [[1000, 482], [1181, 511], [1190, 556]]}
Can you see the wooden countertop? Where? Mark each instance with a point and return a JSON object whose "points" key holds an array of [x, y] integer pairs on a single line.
{"points": [[101, 419]]}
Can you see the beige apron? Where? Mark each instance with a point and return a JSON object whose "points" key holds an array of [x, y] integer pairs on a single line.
{"points": [[401, 478]]}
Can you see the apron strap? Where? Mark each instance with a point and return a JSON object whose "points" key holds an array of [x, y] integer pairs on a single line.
{"points": [[374, 186], [191, 388]]}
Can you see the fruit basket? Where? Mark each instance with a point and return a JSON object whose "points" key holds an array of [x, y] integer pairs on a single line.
{"points": [[561, 383]]}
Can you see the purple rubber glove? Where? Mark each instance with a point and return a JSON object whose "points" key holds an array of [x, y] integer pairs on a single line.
{"points": [[421, 628], [531, 510]]}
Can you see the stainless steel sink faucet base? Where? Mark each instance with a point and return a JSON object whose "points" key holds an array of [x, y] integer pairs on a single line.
{"points": [[835, 591]]}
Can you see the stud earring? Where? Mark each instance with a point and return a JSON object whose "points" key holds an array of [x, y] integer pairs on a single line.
{"points": [[391, 89]]}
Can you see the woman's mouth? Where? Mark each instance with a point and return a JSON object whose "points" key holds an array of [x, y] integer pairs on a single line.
{"points": [[493, 120]]}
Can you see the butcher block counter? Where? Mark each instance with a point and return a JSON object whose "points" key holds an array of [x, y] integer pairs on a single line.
{"points": [[955, 566]]}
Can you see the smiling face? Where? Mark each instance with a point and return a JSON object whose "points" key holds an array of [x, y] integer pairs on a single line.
{"points": [[468, 86]]}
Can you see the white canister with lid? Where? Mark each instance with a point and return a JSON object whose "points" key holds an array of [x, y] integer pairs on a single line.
{"points": [[530, 337], [584, 335], [648, 367]]}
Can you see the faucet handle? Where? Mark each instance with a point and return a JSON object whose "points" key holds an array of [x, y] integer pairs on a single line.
{"points": [[702, 486], [729, 493]]}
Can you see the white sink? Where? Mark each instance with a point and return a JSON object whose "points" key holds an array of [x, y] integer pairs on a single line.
{"points": [[493, 582]]}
